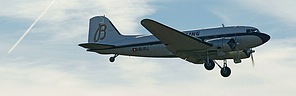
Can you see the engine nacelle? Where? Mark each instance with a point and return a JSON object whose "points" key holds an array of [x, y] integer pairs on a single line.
{"points": [[226, 49], [222, 44]]}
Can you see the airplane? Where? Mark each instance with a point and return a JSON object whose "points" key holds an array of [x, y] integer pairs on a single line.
{"points": [[200, 46]]}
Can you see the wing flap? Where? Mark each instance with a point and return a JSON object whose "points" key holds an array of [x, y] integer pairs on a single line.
{"points": [[175, 40]]}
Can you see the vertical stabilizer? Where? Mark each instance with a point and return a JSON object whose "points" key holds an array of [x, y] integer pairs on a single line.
{"points": [[102, 31]]}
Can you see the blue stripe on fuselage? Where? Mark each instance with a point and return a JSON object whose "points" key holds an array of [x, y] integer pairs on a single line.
{"points": [[264, 37]]}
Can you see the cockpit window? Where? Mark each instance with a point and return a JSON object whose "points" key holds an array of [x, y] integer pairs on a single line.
{"points": [[252, 30], [248, 31]]}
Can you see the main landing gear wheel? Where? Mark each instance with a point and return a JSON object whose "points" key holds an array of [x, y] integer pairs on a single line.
{"points": [[225, 71], [209, 65], [112, 59]]}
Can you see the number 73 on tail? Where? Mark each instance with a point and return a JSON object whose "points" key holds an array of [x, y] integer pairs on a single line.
{"points": [[200, 46]]}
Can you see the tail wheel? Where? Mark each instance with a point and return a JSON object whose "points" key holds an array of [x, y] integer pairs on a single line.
{"points": [[225, 71], [209, 65], [112, 59]]}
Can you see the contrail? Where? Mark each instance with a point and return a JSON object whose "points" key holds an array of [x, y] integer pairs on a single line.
{"points": [[33, 24]]}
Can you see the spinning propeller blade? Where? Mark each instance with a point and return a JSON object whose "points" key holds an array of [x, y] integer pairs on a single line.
{"points": [[253, 62], [252, 58]]}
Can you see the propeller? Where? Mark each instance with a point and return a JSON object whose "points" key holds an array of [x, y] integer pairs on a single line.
{"points": [[252, 57], [253, 62], [250, 52]]}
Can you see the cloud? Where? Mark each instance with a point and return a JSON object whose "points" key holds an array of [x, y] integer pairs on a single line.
{"points": [[125, 15], [65, 24], [272, 17], [263, 12], [67, 20], [276, 65], [57, 66], [138, 72], [283, 10], [35, 77]]}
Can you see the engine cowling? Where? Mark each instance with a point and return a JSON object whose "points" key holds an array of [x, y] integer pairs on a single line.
{"points": [[223, 44]]}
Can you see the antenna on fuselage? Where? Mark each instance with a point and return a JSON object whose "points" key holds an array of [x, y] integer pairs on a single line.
{"points": [[223, 25]]}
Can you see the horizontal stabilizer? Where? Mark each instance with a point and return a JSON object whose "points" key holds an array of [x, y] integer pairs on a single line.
{"points": [[95, 46]]}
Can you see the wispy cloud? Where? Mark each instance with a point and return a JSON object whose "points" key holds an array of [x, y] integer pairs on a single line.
{"points": [[61, 68], [68, 20], [66, 23], [283, 10]]}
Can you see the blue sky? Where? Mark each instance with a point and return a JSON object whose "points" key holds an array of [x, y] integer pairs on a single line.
{"points": [[48, 61]]}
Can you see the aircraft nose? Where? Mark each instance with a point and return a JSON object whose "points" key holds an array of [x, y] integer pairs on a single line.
{"points": [[264, 37]]}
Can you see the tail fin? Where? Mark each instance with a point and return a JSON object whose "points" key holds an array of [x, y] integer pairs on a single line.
{"points": [[102, 31]]}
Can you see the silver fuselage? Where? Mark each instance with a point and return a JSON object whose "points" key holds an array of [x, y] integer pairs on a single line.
{"points": [[149, 46]]}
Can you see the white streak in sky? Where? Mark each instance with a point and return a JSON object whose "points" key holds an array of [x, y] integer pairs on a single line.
{"points": [[33, 24]]}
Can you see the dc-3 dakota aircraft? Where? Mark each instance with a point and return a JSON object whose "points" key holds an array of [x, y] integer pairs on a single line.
{"points": [[202, 46]]}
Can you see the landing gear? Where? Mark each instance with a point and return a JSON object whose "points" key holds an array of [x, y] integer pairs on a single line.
{"points": [[209, 64], [112, 59], [225, 71]]}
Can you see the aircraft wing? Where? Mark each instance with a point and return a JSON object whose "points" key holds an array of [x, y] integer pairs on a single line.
{"points": [[176, 41]]}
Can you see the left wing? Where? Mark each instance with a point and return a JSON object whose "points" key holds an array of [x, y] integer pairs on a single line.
{"points": [[177, 42]]}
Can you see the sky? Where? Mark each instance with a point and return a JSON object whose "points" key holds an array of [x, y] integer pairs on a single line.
{"points": [[49, 62]]}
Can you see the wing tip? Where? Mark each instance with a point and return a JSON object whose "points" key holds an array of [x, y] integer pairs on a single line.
{"points": [[145, 20]]}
